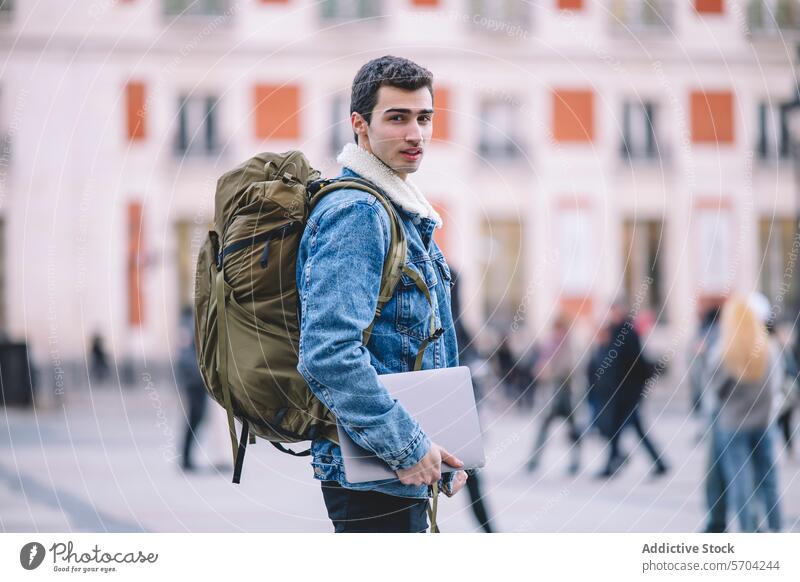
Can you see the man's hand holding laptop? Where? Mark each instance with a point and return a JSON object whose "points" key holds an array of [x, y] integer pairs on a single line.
{"points": [[429, 470]]}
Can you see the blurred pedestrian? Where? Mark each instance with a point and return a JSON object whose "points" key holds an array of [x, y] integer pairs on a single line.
{"points": [[98, 365], [599, 389], [744, 369], [556, 367], [628, 370], [705, 402], [469, 356], [192, 387], [790, 394]]}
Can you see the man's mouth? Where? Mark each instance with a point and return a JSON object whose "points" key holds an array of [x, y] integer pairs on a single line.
{"points": [[412, 154]]}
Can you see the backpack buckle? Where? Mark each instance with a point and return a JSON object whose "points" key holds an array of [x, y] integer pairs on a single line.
{"points": [[435, 335]]}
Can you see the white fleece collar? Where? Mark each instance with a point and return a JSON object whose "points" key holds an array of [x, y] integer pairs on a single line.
{"points": [[404, 193]]}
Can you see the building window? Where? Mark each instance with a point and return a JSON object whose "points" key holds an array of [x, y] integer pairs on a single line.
{"points": [[575, 245], [499, 131], [573, 116], [639, 129], [6, 135], [770, 17], [350, 9], [636, 16], [502, 270], [277, 110], [642, 249], [712, 117], [197, 126], [196, 7], [779, 261], [190, 236], [6, 10], [500, 16], [773, 132], [341, 129], [713, 250]]}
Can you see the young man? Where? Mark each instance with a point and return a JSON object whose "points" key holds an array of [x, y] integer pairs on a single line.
{"points": [[339, 267]]}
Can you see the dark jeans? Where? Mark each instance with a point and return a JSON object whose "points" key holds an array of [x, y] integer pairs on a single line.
{"points": [[196, 399], [785, 422], [372, 512], [716, 487], [750, 469], [477, 504], [634, 421]]}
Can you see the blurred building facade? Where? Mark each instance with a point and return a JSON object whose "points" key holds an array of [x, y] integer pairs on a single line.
{"points": [[583, 150]]}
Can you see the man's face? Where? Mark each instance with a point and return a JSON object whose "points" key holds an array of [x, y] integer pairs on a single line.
{"points": [[401, 127]]}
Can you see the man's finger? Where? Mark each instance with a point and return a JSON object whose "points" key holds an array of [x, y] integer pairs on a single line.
{"points": [[450, 459]]}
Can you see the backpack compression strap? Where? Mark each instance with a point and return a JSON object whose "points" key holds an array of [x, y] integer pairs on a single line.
{"points": [[222, 361], [395, 257]]}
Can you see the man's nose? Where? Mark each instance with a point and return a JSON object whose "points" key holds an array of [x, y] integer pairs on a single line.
{"points": [[414, 134]]}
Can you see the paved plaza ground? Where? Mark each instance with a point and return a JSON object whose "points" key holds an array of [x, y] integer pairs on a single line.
{"points": [[104, 459]]}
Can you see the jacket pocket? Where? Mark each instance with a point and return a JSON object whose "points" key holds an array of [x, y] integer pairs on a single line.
{"points": [[413, 308], [444, 270], [325, 471]]}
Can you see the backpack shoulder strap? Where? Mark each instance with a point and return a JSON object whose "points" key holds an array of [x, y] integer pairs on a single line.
{"points": [[396, 256]]}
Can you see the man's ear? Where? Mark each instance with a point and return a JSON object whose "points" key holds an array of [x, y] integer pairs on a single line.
{"points": [[359, 124]]}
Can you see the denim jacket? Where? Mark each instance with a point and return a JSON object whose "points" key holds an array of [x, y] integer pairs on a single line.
{"points": [[339, 267]]}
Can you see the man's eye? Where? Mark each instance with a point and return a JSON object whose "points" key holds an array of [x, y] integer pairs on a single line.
{"points": [[425, 118], [397, 118]]}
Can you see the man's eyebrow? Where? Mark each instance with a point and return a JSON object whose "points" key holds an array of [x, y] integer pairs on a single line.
{"points": [[407, 111]]}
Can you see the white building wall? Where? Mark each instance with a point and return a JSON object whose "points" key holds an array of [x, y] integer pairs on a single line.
{"points": [[73, 170]]}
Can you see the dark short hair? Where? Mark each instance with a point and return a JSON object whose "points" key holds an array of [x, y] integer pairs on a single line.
{"points": [[385, 71]]}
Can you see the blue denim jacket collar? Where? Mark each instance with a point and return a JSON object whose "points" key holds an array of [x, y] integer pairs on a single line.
{"points": [[425, 226]]}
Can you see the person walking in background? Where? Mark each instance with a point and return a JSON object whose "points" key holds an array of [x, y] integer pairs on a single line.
{"points": [[192, 388], [556, 367], [598, 386], [706, 403], [625, 366], [468, 356], [99, 359], [744, 367], [504, 361], [790, 394]]}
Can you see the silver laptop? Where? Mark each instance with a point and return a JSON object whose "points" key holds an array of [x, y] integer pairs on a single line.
{"points": [[443, 403]]}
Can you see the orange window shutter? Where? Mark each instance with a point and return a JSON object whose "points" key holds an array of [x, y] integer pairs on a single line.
{"points": [[712, 117], [570, 4], [441, 116], [277, 110], [440, 234], [709, 6], [573, 116], [576, 307], [135, 262], [135, 104]]}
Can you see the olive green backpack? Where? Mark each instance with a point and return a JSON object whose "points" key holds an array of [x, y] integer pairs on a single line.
{"points": [[246, 304]]}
